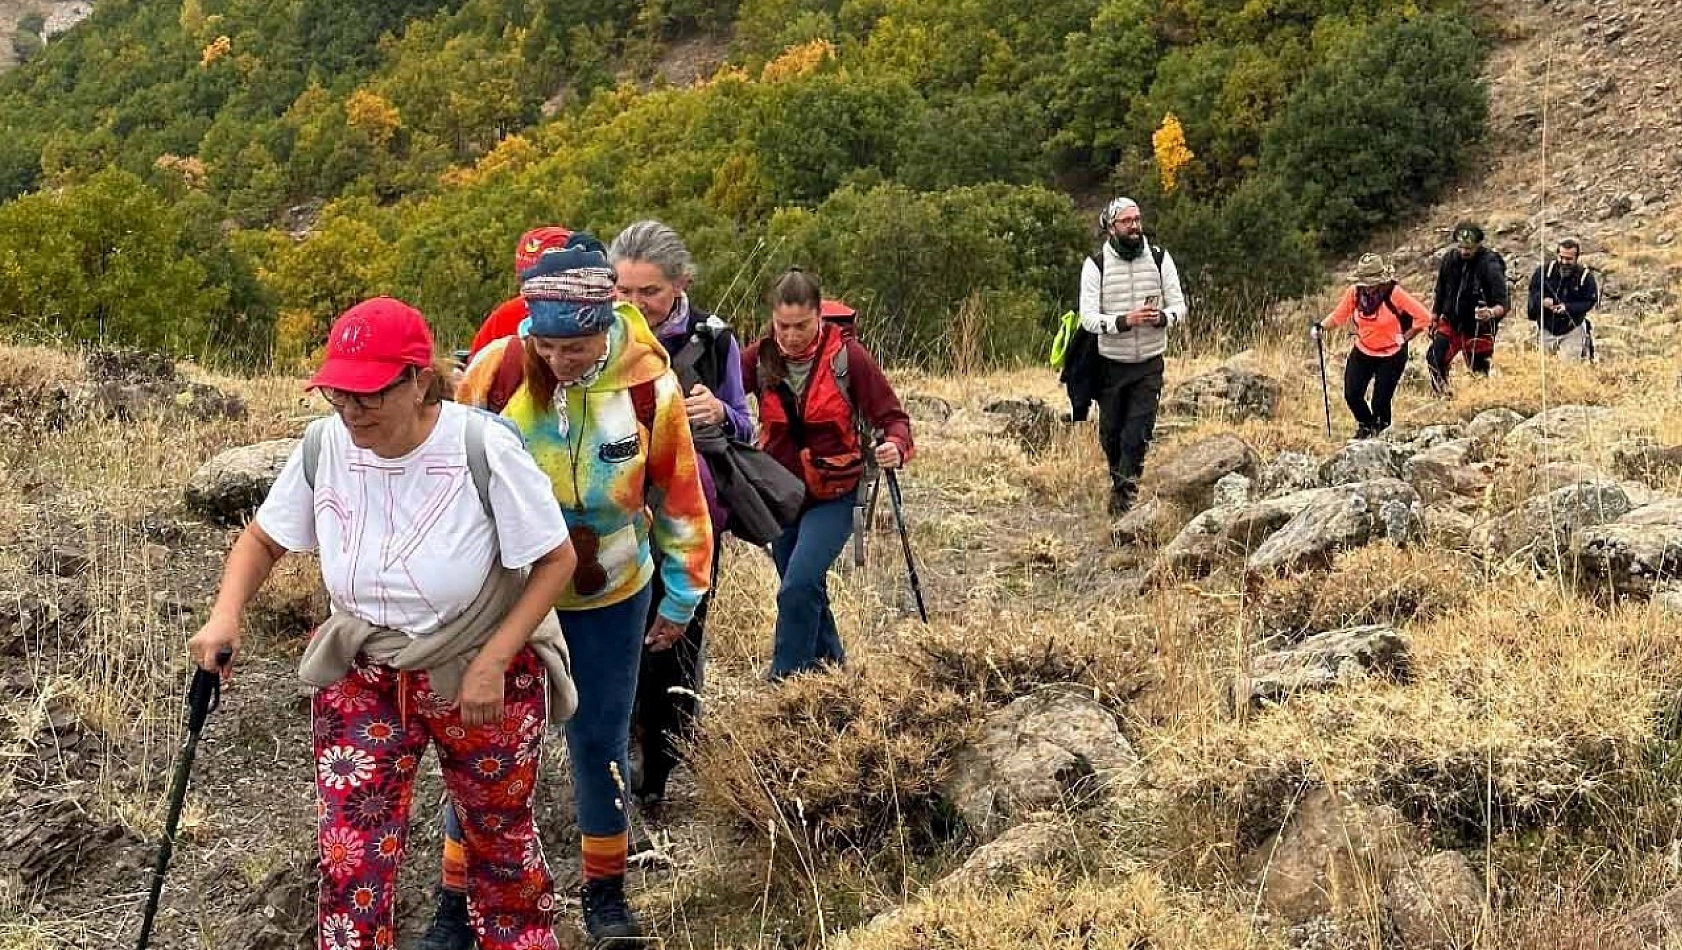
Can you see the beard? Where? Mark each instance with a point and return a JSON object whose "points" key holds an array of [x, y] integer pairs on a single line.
{"points": [[1127, 246]]}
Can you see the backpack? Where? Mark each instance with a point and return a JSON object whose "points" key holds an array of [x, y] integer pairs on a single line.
{"points": [[1158, 252], [478, 465]]}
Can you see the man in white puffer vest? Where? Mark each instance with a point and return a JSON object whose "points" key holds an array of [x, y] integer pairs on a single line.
{"points": [[1129, 297]]}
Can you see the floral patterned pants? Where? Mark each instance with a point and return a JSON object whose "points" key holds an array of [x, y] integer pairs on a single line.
{"points": [[371, 729]]}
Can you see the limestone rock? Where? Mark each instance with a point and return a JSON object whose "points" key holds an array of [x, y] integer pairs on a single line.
{"points": [[1435, 904], [1348, 517], [1029, 421], [1631, 559], [1560, 428], [1227, 392], [1665, 511], [230, 487], [1492, 425], [1144, 523], [1198, 549], [1361, 460], [1442, 470], [1253, 524], [1321, 662], [1330, 855], [1288, 472], [1543, 526], [1025, 847], [1042, 751], [1232, 491], [1190, 476]]}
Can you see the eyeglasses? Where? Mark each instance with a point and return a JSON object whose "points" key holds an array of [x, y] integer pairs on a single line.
{"points": [[1134, 219], [340, 399], [590, 577]]}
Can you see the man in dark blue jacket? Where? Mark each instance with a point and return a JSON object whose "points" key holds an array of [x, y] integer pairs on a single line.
{"points": [[1561, 295]]}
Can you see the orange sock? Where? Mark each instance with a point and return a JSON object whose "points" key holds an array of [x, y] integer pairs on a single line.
{"points": [[604, 856], [455, 865]]}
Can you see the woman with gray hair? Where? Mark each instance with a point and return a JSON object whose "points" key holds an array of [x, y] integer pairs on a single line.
{"points": [[652, 270]]}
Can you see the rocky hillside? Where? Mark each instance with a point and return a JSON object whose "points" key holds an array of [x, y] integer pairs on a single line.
{"points": [[58, 16], [1583, 110]]}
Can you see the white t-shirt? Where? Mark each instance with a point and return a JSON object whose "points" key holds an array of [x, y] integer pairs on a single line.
{"points": [[405, 542]]}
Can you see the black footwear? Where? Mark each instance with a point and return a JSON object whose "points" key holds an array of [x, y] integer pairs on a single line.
{"points": [[449, 929], [1121, 500], [607, 918]]}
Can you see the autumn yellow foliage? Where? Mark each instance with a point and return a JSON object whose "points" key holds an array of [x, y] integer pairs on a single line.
{"points": [[797, 61], [1172, 153], [372, 113], [218, 48]]}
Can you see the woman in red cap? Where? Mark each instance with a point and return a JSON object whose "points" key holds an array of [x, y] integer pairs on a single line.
{"points": [[443, 549]]}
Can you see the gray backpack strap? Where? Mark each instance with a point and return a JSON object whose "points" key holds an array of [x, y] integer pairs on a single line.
{"points": [[478, 465], [313, 435]]}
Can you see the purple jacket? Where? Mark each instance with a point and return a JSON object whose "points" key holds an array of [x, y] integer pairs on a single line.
{"points": [[738, 422]]}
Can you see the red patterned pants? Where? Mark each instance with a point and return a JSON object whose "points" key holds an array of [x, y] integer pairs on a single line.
{"points": [[371, 729]]}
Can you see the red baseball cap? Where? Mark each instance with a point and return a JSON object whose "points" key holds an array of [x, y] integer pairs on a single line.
{"points": [[371, 344], [534, 242]]}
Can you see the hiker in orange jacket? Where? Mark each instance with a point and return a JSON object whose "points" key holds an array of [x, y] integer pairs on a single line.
{"points": [[1386, 318]]}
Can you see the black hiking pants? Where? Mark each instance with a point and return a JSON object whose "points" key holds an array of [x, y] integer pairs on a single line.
{"points": [[669, 689], [1128, 394], [1383, 373]]}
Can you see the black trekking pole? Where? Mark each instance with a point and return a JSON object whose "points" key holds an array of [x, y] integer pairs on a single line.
{"points": [[203, 696], [905, 542], [864, 519], [1325, 392]]}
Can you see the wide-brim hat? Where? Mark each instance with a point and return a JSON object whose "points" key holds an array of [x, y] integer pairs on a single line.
{"points": [[1372, 270]]}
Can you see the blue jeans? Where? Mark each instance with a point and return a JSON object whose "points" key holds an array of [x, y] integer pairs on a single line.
{"points": [[806, 637], [606, 648]]}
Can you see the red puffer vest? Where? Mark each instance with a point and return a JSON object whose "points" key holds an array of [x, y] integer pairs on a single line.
{"points": [[820, 422]]}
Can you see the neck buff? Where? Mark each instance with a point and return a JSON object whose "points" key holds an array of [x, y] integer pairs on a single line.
{"points": [[1369, 299], [563, 425], [808, 353], [1127, 247]]}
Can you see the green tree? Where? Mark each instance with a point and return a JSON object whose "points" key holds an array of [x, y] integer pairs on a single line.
{"points": [[1369, 134], [105, 260]]}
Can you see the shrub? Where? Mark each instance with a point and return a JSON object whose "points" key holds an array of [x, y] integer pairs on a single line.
{"points": [[844, 761], [1355, 144]]}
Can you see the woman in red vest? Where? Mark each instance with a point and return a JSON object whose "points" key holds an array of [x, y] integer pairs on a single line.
{"points": [[813, 381]]}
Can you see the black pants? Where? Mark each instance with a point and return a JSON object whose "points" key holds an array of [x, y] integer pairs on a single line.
{"points": [[669, 689], [1128, 394], [1383, 373]]}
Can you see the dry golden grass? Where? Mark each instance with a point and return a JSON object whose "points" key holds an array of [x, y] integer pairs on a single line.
{"points": [[1530, 728], [1048, 913]]}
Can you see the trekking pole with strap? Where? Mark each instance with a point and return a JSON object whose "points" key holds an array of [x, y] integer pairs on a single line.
{"points": [[864, 519], [905, 542], [1325, 392], [203, 696]]}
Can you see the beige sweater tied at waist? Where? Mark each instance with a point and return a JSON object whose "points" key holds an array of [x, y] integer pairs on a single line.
{"points": [[445, 653]]}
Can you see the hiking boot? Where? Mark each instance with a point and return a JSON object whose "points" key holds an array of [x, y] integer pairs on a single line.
{"points": [[449, 929], [608, 920], [1121, 500]]}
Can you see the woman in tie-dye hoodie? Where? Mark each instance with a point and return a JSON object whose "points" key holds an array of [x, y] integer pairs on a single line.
{"points": [[603, 415]]}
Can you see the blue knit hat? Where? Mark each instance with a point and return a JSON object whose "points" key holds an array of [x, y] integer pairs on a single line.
{"points": [[569, 292]]}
